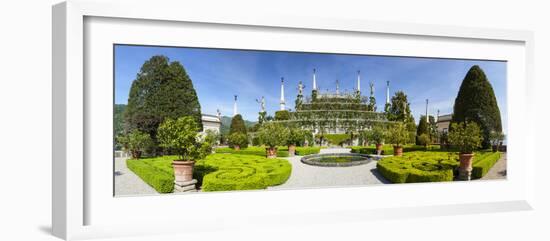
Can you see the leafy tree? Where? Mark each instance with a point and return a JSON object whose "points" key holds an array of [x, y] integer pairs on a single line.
{"points": [[398, 135], [476, 102], [119, 119], [422, 128], [296, 137], [466, 136], [238, 139], [282, 115], [181, 136], [161, 90], [423, 139], [376, 135], [273, 134], [399, 110], [136, 143], [237, 125], [496, 138]]}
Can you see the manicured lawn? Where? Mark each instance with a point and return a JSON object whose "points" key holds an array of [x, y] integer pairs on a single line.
{"points": [[432, 166], [282, 151], [218, 172]]}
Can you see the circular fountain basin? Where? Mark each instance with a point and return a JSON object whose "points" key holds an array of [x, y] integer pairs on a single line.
{"points": [[337, 159]]}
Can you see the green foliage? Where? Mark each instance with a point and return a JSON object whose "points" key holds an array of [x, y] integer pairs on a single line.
{"points": [[423, 139], [496, 138], [296, 137], [262, 117], [388, 149], [398, 134], [181, 137], [419, 167], [238, 139], [118, 119], [273, 134], [304, 151], [156, 172], [375, 135], [399, 108], [161, 90], [476, 102], [243, 172], [422, 128], [466, 136], [483, 163], [282, 115], [136, 142], [237, 125], [337, 139]]}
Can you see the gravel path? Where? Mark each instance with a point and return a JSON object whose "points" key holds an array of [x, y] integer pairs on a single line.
{"points": [[498, 171], [307, 176], [127, 183]]}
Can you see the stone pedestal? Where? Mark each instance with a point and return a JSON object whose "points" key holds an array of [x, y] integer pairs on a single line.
{"points": [[188, 186]]}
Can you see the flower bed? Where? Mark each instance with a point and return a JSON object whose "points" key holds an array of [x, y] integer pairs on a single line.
{"points": [[421, 166], [217, 172]]}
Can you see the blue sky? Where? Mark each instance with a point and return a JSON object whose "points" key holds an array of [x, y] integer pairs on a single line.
{"points": [[219, 74]]}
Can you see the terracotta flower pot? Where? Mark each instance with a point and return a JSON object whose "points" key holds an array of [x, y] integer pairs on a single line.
{"points": [[183, 171], [236, 147], [271, 152], [397, 150], [292, 150], [465, 168], [378, 149]]}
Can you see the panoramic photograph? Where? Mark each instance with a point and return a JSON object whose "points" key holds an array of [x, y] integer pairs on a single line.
{"points": [[189, 120]]}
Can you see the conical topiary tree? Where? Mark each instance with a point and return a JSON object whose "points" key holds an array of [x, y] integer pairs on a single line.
{"points": [[422, 128], [162, 89], [476, 102], [237, 125]]}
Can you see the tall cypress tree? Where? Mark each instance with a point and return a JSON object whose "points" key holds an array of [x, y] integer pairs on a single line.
{"points": [[161, 90], [422, 128], [476, 101], [237, 125]]}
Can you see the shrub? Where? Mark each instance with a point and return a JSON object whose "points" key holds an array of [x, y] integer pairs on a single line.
{"points": [[419, 167], [273, 134], [253, 150], [466, 136], [483, 163], [282, 115], [238, 139], [161, 179], [296, 137], [304, 151], [337, 139], [376, 135], [398, 135], [423, 140], [242, 172], [181, 136], [136, 142], [237, 125], [388, 149], [476, 102]]}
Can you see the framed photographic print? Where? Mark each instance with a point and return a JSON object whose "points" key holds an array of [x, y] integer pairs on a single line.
{"points": [[279, 119]]}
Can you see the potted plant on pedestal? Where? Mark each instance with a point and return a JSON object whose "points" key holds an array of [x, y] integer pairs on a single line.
{"points": [[376, 135], [466, 136], [238, 140], [181, 136], [135, 143], [273, 135], [496, 138], [398, 135]]}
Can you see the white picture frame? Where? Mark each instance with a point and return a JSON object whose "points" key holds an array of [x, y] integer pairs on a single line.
{"points": [[75, 201]]}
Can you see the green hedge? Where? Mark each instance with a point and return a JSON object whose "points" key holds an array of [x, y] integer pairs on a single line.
{"points": [[242, 172], [419, 167], [253, 150], [154, 172], [336, 139], [483, 163], [304, 151], [388, 149], [432, 166], [217, 172]]}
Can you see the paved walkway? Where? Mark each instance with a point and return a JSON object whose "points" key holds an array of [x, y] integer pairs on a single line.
{"points": [[307, 176], [127, 183], [498, 171]]}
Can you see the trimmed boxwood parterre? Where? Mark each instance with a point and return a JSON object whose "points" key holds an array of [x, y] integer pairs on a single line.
{"points": [[421, 166], [217, 172]]}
